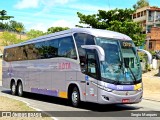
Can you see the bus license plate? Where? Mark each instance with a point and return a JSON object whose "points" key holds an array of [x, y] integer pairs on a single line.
{"points": [[125, 100]]}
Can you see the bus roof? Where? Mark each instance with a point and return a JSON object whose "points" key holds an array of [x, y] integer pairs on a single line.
{"points": [[91, 31]]}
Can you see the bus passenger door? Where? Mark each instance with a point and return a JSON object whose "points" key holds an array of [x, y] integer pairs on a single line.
{"points": [[91, 76]]}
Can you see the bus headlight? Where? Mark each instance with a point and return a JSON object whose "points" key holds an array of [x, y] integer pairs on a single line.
{"points": [[140, 89], [102, 87], [107, 89]]}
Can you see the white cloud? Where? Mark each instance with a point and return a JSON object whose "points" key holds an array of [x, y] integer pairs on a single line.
{"points": [[53, 2], [62, 23], [44, 26], [89, 8], [27, 4], [39, 26], [36, 3]]}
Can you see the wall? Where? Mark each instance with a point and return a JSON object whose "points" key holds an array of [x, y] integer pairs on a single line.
{"points": [[155, 38], [155, 33], [0, 69]]}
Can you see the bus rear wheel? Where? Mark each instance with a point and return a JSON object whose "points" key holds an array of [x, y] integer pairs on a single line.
{"points": [[75, 97], [13, 88], [20, 89]]}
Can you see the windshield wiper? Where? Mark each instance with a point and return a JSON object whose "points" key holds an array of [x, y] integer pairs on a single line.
{"points": [[132, 74]]}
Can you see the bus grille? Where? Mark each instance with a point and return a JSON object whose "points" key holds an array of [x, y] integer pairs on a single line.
{"points": [[125, 92]]}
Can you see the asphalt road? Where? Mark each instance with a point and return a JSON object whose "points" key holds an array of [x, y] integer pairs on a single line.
{"points": [[47, 103]]}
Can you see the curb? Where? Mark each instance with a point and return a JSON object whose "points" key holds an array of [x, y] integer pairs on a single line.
{"points": [[151, 99]]}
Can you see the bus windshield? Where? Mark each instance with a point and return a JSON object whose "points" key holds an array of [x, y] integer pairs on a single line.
{"points": [[121, 65]]}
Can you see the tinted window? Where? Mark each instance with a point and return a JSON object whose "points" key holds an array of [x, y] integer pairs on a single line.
{"points": [[67, 48], [83, 39], [92, 65], [47, 49], [62, 47]]}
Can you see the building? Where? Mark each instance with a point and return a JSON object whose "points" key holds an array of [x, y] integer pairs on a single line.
{"points": [[154, 39], [148, 17]]}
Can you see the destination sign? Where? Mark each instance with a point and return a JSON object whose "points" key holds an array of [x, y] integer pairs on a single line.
{"points": [[126, 44]]}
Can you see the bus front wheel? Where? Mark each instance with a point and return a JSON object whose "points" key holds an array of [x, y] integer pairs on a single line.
{"points": [[75, 97], [20, 89]]}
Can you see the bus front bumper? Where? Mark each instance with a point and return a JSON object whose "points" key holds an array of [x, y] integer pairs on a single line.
{"points": [[123, 97]]}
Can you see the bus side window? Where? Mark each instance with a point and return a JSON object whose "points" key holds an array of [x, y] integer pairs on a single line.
{"points": [[83, 39], [67, 48], [91, 63]]}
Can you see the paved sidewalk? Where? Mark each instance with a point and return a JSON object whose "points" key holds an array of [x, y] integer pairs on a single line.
{"points": [[151, 85], [0, 83]]}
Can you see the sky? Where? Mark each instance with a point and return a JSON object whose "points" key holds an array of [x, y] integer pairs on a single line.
{"points": [[43, 14]]}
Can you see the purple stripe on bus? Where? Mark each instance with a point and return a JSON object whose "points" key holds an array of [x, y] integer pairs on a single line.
{"points": [[120, 87], [45, 91]]}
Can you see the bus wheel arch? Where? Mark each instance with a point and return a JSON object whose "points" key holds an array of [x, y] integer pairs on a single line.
{"points": [[19, 88], [74, 95], [13, 87]]}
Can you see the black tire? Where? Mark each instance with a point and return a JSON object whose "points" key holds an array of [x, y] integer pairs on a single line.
{"points": [[20, 89], [13, 88], [75, 97]]}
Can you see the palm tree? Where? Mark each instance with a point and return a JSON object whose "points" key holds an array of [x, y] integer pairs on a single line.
{"points": [[3, 15], [19, 28]]}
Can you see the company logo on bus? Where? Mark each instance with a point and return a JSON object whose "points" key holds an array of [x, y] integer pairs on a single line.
{"points": [[127, 93], [64, 66]]}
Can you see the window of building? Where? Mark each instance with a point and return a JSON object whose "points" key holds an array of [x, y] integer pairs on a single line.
{"points": [[149, 13], [138, 14], [144, 12], [134, 16], [141, 13], [150, 45]]}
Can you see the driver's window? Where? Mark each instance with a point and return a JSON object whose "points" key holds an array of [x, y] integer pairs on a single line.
{"points": [[91, 63]]}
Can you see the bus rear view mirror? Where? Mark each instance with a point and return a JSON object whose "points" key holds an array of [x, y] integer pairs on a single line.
{"points": [[99, 49], [148, 55]]}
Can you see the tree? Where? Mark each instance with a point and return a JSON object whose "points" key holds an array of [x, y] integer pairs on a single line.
{"points": [[13, 26], [56, 29], [103, 18], [3, 15], [16, 26], [34, 33], [119, 20], [131, 29], [9, 39], [140, 4], [19, 28]]}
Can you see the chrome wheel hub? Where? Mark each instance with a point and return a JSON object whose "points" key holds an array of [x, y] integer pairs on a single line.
{"points": [[74, 97], [13, 88]]}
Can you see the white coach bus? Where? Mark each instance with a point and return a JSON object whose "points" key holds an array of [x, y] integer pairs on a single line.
{"points": [[80, 64]]}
